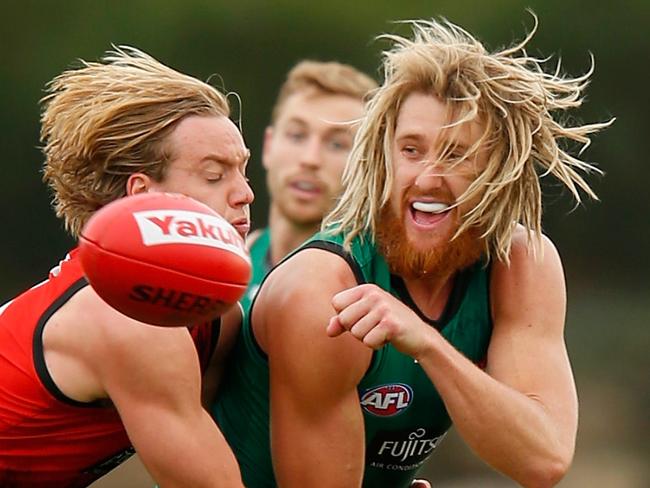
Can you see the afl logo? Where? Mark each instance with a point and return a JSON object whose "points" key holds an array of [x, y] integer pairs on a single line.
{"points": [[387, 400]]}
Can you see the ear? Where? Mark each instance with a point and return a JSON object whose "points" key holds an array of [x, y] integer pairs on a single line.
{"points": [[266, 146], [138, 183]]}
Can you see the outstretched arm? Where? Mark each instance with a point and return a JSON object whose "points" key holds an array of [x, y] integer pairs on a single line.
{"points": [[152, 375], [521, 415], [317, 434]]}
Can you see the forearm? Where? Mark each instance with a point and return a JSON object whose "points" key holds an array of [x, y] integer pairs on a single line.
{"points": [[512, 431], [200, 456]]}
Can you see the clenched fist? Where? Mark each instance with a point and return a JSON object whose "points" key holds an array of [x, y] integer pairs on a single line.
{"points": [[375, 317]]}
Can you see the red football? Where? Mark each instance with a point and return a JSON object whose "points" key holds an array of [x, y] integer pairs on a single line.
{"points": [[164, 259]]}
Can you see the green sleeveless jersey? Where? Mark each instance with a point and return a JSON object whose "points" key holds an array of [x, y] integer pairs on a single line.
{"points": [[404, 417], [260, 263]]}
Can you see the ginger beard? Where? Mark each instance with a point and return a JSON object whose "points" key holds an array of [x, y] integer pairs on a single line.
{"points": [[406, 261]]}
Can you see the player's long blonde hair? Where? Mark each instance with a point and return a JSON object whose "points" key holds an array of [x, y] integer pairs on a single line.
{"points": [[509, 93], [105, 121]]}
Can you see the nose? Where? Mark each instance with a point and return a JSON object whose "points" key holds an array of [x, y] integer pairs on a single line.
{"points": [[430, 177], [311, 155], [242, 193]]}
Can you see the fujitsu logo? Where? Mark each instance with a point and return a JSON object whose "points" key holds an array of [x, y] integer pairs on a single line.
{"points": [[187, 227], [387, 400], [417, 445], [402, 449]]}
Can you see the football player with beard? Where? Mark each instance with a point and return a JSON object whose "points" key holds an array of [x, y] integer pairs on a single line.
{"points": [[305, 149], [431, 296]]}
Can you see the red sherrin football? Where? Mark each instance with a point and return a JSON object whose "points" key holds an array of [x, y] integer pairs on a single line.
{"points": [[164, 259]]}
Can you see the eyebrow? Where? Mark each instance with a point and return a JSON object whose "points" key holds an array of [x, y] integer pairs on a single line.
{"points": [[296, 120], [456, 145], [215, 158], [409, 136], [340, 130], [342, 127], [444, 142]]}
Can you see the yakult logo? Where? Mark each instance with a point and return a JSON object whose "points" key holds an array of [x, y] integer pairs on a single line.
{"points": [[187, 227], [387, 400]]}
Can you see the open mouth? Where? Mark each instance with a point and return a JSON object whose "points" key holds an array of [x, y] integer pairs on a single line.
{"points": [[306, 187], [428, 213]]}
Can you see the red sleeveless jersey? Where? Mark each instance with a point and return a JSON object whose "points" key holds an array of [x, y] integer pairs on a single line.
{"points": [[46, 438]]}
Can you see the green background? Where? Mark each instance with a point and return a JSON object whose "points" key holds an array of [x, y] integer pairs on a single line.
{"points": [[247, 46]]}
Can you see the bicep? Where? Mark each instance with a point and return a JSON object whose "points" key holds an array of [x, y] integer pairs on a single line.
{"points": [[156, 390], [315, 437], [316, 422], [527, 351]]}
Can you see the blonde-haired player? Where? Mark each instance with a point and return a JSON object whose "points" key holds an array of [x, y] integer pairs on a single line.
{"points": [[81, 385], [431, 297]]}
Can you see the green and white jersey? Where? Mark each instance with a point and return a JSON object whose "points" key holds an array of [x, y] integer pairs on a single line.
{"points": [[404, 417]]}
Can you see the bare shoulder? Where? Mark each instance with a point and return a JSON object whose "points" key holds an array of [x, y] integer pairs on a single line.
{"points": [[307, 271], [116, 330], [293, 309], [116, 344], [533, 280], [309, 276], [527, 261]]}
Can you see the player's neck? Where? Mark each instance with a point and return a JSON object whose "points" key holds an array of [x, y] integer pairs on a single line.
{"points": [[431, 293], [287, 235]]}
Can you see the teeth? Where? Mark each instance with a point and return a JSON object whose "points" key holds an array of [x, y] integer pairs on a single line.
{"points": [[431, 207]]}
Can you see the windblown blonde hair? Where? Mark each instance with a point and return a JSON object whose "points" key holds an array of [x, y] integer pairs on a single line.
{"points": [[509, 93], [105, 121], [330, 77]]}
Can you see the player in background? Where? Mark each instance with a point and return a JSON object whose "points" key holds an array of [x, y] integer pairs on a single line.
{"points": [[81, 385], [305, 148], [442, 299]]}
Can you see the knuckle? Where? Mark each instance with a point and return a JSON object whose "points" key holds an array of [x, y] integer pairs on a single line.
{"points": [[374, 295]]}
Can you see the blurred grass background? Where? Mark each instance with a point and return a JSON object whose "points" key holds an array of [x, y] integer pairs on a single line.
{"points": [[248, 45]]}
